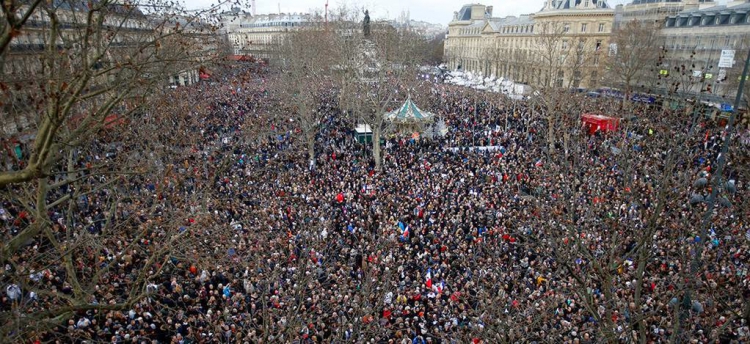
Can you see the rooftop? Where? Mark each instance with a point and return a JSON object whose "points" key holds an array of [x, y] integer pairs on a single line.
{"points": [[552, 5]]}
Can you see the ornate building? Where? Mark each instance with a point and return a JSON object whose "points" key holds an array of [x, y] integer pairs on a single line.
{"points": [[464, 44], [655, 11], [559, 45]]}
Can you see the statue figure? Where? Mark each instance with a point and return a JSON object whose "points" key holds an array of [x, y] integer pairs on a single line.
{"points": [[366, 24]]}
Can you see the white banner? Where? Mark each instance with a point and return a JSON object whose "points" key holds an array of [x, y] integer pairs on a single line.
{"points": [[727, 59]]}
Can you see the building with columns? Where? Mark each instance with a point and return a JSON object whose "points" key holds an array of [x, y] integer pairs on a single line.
{"points": [[692, 33], [560, 45], [464, 43]]}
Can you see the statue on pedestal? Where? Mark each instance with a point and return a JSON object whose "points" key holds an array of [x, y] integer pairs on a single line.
{"points": [[366, 24]]}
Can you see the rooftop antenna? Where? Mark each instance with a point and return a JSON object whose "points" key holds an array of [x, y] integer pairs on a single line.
{"points": [[253, 7], [326, 11]]}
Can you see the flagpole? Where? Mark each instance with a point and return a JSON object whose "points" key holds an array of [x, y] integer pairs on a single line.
{"points": [[474, 123]]}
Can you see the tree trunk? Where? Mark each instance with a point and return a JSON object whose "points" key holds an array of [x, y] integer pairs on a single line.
{"points": [[376, 147], [551, 133], [640, 275], [311, 148]]}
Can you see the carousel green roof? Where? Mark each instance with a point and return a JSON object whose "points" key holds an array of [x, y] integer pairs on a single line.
{"points": [[409, 112]]}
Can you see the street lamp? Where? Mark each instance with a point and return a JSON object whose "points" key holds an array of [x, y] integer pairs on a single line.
{"points": [[717, 186]]}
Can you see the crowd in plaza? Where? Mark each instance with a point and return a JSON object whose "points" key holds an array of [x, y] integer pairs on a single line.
{"points": [[510, 244]]}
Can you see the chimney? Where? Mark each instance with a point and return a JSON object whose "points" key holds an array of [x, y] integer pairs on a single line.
{"points": [[488, 11]]}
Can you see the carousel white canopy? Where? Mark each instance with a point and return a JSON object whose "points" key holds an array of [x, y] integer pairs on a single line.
{"points": [[409, 112]]}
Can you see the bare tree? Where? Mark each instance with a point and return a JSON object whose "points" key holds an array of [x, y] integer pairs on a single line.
{"points": [[553, 48], [306, 75], [378, 76], [81, 81], [635, 49]]}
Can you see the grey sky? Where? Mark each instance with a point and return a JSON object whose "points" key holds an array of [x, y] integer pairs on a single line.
{"points": [[434, 11]]}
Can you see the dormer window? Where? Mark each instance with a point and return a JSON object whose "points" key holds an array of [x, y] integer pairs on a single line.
{"points": [[718, 20]]}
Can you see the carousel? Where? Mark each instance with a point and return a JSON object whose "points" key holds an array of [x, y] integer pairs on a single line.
{"points": [[409, 119]]}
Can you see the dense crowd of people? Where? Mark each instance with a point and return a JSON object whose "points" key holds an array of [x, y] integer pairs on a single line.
{"points": [[598, 239]]}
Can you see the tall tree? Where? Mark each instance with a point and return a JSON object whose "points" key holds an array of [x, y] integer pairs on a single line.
{"points": [[553, 49], [305, 78], [378, 76], [72, 71], [634, 52]]}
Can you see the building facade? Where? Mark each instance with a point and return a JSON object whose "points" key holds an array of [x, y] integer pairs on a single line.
{"points": [[260, 35], [697, 37], [654, 11], [464, 42], [691, 33], [560, 45]]}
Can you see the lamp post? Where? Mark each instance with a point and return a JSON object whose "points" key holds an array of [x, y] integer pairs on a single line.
{"points": [[722, 159], [711, 201]]}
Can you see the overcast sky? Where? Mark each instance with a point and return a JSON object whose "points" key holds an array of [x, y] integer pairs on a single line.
{"points": [[433, 11]]}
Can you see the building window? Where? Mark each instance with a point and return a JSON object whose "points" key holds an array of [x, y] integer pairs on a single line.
{"points": [[601, 27], [560, 78], [718, 20], [586, 3], [566, 27], [565, 44], [726, 41], [598, 44], [583, 27]]}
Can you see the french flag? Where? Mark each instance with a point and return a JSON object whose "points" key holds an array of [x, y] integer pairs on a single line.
{"points": [[404, 230], [539, 163], [428, 281], [439, 287]]}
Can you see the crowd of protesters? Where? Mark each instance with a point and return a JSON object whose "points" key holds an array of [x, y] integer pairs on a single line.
{"points": [[600, 241]]}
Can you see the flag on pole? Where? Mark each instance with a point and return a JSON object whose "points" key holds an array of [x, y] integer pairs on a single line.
{"points": [[428, 279], [404, 230], [440, 286]]}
